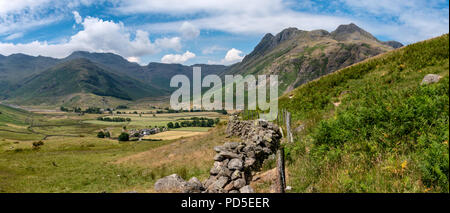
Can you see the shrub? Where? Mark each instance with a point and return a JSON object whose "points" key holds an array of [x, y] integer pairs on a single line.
{"points": [[101, 134], [107, 135], [124, 137], [38, 144]]}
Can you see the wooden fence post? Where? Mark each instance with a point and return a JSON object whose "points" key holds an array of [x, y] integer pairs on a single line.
{"points": [[281, 182], [289, 136]]}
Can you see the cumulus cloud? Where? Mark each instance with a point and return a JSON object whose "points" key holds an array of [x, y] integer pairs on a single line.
{"points": [[97, 36], [177, 58], [189, 31], [78, 18], [169, 43], [233, 56]]}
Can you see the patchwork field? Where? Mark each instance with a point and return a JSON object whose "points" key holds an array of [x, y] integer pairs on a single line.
{"points": [[73, 159]]}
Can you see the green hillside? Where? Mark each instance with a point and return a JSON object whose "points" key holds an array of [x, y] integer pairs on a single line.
{"points": [[81, 76], [373, 127]]}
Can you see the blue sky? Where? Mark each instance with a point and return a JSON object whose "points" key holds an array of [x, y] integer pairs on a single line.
{"points": [[199, 31]]}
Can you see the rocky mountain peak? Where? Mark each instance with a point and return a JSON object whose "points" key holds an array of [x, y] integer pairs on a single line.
{"points": [[351, 32]]}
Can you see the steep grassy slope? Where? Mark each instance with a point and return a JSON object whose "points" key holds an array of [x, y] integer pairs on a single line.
{"points": [[372, 127], [81, 76], [298, 56]]}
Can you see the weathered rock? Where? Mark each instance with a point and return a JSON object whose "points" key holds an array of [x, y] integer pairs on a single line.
{"points": [[221, 182], [430, 78], [226, 154], [233, 191], [228, 187], [239, 183], [235, 164], [249, 162], [171, 183], [225, 172], [216, 168], [218, 157], [236, 174], [246, 189]]}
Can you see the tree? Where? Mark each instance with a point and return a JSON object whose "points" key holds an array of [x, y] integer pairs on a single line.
{"points": [[101, 134], [107, 135], [177, 125], [217, 121], [170, 125], [124, 137]]}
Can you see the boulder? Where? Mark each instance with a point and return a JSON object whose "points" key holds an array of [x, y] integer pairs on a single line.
{"points": [[171, 183], [239, 183], [246, 189], [235, 164], [430, 78], [221, 182]]}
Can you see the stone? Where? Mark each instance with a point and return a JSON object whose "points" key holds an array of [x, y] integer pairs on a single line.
{"points": [[225, 172], [233, 191], [236, 174], [239, 183], [221, 182], [230, 145], [209, 181], [218, 157], [228, 187], [288, 188], [226, 154], [235, 164], [246, 189], [430, 78], [249, 162], [171, 183]]}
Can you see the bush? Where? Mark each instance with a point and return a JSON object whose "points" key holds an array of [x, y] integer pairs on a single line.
{"points": [[107, 135], [124, 137], [38, 144], [101, 134]]}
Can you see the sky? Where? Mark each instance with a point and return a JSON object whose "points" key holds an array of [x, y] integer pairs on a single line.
{"points": [[199, 31]]}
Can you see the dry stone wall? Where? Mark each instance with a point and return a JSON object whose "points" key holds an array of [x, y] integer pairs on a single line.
{"points": [[235, 162]]}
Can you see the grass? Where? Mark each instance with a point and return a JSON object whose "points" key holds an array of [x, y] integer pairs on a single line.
{"points": [[389, 133], [73, 159]]}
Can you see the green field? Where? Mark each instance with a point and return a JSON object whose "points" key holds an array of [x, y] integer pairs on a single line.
{"points": [[73, 159]]}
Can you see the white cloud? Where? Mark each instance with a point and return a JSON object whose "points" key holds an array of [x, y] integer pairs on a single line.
{"points": [[169, 43], [14, 36], [97, 36], [177, 58], [78, 18], [189, 31], [212, 49], [233, 56], [134, 59]]}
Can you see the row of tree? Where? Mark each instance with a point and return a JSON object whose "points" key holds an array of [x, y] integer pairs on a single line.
{"points": [[197, 122], [114, 119]]}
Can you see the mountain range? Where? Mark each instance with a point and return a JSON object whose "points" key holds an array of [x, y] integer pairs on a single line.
{"points": [[297, 56]]}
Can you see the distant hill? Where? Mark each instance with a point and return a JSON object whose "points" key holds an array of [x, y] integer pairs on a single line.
{"points": [[299, 56], [81, 76], [19, 70]]}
